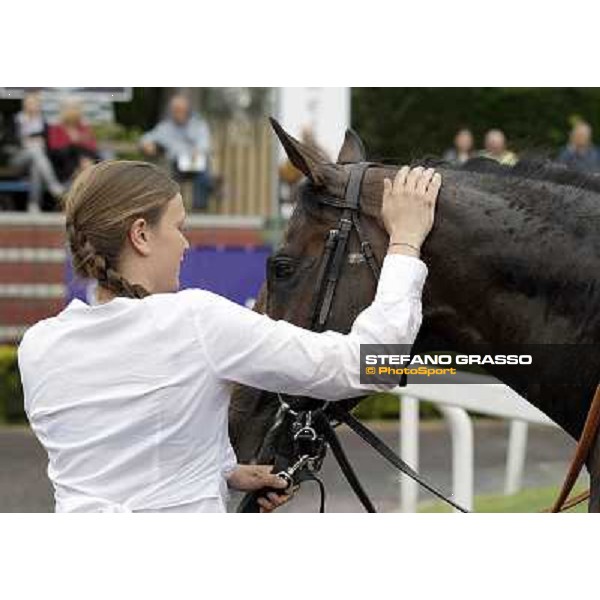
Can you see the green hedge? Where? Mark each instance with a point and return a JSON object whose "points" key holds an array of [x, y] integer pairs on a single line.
{"points": [[381, 407], [11, 392], [408, 123]]}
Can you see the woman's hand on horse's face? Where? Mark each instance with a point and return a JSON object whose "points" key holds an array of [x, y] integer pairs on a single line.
{"points": [[408, 206], [248, 478]]}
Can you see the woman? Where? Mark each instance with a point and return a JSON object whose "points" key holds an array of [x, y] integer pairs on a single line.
{"points": [[32, 131], [71, 143], [463, 148], [130, 396]]}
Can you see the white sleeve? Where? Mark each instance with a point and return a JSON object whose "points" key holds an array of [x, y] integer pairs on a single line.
{"points": [[230, 462], [250, 348]]}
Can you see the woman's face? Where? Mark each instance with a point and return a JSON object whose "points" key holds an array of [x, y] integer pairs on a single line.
{"points": [[31, 104], [464, 141], [168, 246], [71, 114]]}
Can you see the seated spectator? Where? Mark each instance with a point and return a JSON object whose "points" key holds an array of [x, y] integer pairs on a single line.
{"points": [[32, 130], [463, 148], [495, 148], [184, 138], [580, 153], [71, 142]]}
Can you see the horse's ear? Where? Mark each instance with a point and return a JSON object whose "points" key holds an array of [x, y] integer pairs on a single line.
{"points": [[352, 150], [306, 159]]}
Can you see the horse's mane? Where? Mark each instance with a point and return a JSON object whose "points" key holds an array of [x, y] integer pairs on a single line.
{"points": [[535, 169], [572, 182]]}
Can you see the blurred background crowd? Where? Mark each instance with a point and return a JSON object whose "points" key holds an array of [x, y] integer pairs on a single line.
{"points": [[579, 153], [217, 144], [43, 154]]}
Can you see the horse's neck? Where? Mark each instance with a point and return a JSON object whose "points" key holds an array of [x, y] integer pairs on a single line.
{"points": [[502, 273], [515, 271]]}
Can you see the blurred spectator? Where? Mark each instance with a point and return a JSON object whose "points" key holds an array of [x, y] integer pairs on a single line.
{"points": [[463, 148], [32, 132], [71, 142], [580, 153], [495, 148], [184, 138]]}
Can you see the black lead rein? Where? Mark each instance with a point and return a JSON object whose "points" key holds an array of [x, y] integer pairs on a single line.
{"points": [[384, 450]]}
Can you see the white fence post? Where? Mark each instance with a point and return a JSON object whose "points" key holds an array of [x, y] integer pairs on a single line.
{"points": [[461, 429], [409, 451], [486, 396], [515, 456]]}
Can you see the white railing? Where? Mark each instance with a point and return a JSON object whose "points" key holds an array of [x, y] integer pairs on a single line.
{"points": [[483, 395]]}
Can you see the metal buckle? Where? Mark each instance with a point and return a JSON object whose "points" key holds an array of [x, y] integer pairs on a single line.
{"points": [[332, 238], [285, 407], [288, 474], [306, 433]]}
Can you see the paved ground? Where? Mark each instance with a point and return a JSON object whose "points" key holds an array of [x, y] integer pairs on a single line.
{"points": [[24, 486]]}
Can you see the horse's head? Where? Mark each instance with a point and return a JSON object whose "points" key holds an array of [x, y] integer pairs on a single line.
{"points": [[293, 270], [294, 267]]}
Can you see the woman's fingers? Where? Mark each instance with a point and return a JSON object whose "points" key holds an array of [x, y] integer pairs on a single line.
{"points": [[433, 188], [407, 209], [265, 478], [413, 178], [277, 499], [265, 505], [424, 181], [400, 179], [271, 480], [272, 501], [387, 188]]}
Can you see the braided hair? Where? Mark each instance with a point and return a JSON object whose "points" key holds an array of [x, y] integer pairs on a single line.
{"points": [[103, 203]]}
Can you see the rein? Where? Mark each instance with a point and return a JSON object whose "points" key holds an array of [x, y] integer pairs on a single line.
{"points": [[582, 452]]}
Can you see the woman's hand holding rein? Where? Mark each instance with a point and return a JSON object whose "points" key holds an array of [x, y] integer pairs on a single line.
{"points": [[248, 478]]}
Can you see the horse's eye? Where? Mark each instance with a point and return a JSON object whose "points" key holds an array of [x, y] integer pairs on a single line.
{"points": [[282, 267]]}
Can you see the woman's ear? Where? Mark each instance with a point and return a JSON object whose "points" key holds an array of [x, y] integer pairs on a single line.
{"points": [[139, 236]]}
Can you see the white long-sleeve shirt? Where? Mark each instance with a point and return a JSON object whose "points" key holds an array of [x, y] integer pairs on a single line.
{"points": [[130, 398]]}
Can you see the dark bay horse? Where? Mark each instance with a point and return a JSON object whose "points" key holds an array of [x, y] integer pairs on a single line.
{"points": [[513, 258]]}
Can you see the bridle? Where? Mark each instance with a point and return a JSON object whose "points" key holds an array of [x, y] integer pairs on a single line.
{"points": [[335, 247], [307, 432]]}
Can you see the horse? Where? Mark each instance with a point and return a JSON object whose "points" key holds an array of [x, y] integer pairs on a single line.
{"points": [[513, 258]]}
